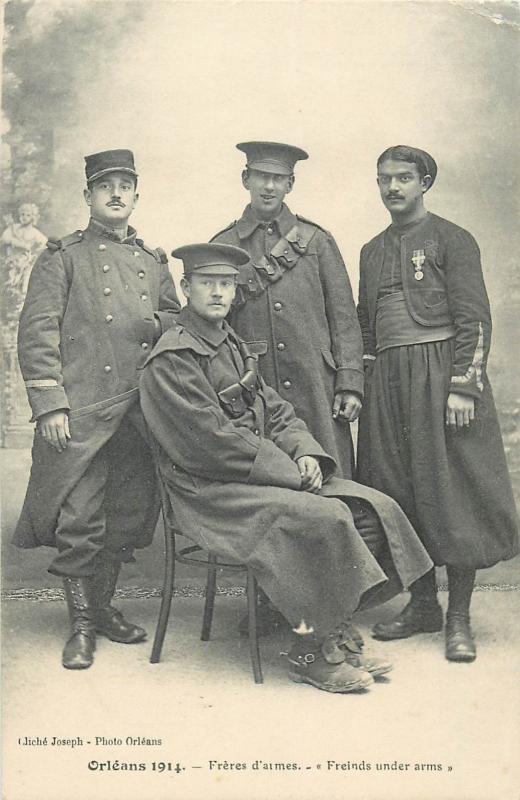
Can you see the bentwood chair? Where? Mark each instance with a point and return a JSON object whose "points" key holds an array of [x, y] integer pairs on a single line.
{"points": [[195, 555]]}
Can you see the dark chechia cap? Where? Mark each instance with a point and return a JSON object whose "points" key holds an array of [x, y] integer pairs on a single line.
{"points": [[272, 156], [211, 259], [99, 164], [414, 155]]}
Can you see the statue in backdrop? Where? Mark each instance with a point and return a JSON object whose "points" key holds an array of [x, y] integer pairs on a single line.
{"points": [[21, 243]]}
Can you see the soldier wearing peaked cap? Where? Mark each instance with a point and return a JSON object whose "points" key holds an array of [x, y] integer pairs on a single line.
{"points": [[295, 295], [429, 435], [97, 301], [248, 481]]}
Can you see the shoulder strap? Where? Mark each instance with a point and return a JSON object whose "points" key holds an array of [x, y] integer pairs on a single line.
{"points": [[224, 230]]}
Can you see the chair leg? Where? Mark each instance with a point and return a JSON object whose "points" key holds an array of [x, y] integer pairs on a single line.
{"points": [[211, 588], [167, 594], [252, 605]]}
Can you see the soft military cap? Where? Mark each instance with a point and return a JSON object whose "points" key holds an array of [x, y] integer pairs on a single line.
{"points": [[413, 155], [99, 164], [211, 259], [272, 156]]}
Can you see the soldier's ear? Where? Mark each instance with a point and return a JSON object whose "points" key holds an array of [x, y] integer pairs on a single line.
{"points": [[186, 288], [426, 182], [87, 194], [290, 183], [245, 179]]}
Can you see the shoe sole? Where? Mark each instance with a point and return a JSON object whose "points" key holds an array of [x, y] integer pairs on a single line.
{"points": [[384, 637], [355, 687], [380, 671], [77, 666], [119, 640]]}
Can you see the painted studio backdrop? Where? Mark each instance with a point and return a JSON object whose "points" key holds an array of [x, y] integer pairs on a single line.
{"points": [[181, 82]]}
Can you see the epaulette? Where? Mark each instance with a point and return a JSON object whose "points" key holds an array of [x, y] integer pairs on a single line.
{"points": [[158, 253], [61, 244], [224, 230], [314, 224], [175, 339]]}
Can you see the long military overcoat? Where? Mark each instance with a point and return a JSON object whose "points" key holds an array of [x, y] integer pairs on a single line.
{"points": [[228, 458], [295, 294], [85, 330]]}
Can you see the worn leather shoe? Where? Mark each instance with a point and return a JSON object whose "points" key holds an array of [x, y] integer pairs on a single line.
{"points": [[414, 618], [111, 623], [309, 665], [460, 645]]}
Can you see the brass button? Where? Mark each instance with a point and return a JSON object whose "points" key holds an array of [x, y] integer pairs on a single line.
{"points": [[140, 274], [136, 253], [102, 247], [256, 432], [233, 345], [106, 267], [107, 291], [280, 346], [109, 318], [278, 306], [108, 368], [287, 384], [144, 297], [144, 345], [269, 231]]}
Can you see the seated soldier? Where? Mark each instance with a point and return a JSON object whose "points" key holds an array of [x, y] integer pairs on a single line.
{"points": [[249, 482]]}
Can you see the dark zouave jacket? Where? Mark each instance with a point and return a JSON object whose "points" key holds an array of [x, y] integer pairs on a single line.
{"points": [[451, 291], [295, 296], [228, 445], [94, 308]]}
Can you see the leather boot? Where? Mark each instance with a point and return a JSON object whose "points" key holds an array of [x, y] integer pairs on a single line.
{"points": [[414, 618], [323, 665], [460, 645], [109, 621], [79, 650]]}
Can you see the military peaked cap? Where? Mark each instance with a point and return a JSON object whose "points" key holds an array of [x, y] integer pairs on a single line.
{"points": [[211, 259], [272, 156], [99, 164]]}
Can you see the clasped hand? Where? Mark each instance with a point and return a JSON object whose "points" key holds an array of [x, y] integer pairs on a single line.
{"points": [[311, 475]]}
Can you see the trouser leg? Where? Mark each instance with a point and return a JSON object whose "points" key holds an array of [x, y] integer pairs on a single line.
{"points": [[460, 589], [424, 590], [81, 526]]}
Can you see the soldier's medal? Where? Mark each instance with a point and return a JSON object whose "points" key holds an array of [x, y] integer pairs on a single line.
{"points": [[418, 259]]}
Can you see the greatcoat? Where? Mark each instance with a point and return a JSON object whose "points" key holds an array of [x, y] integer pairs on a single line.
{"points": [[295, 295], [88, 323], [228, 453]]}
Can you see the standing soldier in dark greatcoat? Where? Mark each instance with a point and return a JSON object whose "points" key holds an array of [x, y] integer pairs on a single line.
{"points": [[429, 435], [97, 301], [295, 296]]}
